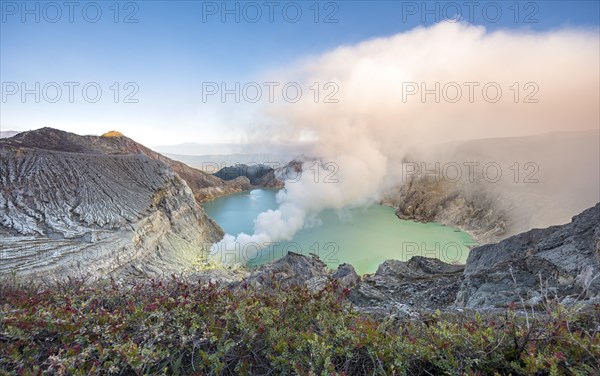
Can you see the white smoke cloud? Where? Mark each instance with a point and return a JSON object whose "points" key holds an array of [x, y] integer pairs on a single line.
{"points": [[375, 121], [350, 181]]}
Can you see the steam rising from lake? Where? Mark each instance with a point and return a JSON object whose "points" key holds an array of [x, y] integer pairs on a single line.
{"points": [[379, 118]]}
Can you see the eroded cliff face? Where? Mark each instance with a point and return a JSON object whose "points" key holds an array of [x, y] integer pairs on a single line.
{"points": [[498, 187], [93, 211], [484, 216]]}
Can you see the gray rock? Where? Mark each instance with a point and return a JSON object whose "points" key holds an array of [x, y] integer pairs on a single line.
{"points": [[298, 270], [421, 283], [86, 205], [346, 276], [253, 172], [556, 261], [291, 270]]}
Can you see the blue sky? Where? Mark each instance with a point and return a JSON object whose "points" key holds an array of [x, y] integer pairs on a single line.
{"points": [[175, 46]]}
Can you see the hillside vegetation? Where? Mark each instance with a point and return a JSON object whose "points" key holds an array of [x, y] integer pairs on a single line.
{"points": [[182, 327]]}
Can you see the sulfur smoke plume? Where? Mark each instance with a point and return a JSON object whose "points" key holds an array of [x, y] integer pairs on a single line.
{"points": [[418, 89]]}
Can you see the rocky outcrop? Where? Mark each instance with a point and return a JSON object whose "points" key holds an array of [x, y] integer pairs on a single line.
{"points": [[475, 211], [298, 270], [254, 173], [93, 206], [420, 283], [291, 270], [561, 261], [206, 187], [276, 178], [271, 180]]}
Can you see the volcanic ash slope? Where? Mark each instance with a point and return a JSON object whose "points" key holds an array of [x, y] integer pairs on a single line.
{"points": [[92, 213]]}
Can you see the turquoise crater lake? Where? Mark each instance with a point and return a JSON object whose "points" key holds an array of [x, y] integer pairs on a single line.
{"points": [[363, 237]]}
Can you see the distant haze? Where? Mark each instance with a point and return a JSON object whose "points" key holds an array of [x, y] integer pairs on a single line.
{"points": [[7, 134], [195, 149], [213, 163]]}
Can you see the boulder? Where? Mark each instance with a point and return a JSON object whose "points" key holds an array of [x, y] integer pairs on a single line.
{"points": [[559, 261], [419, 283]]}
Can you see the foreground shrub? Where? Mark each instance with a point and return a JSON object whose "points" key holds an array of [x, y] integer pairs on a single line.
{"points": [[178, 327]]}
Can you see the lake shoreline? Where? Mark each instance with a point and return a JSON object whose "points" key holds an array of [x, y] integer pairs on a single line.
{"points": [[338, 239], [473, 235]]}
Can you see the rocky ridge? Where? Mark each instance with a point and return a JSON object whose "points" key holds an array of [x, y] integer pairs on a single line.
{"points": [[91, 205], [262, 175], [254, 173], [204, 185]]}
